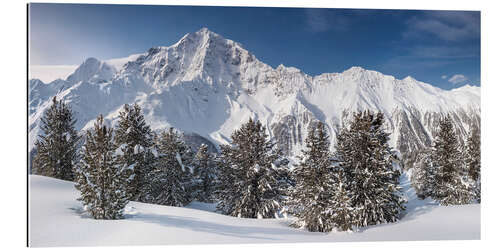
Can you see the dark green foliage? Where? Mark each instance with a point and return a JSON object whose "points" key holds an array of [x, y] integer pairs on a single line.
{"points": [[370, 170], [313, 198], [57, 146], [205, 175], [170, 180], [423, 174], [446, 172], [342, 210], [101, 179], [473, 154], [134, 139], [250, 179], [473, 161], [451, 187]]}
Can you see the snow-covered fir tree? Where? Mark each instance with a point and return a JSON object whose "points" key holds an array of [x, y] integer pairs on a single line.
{"points": [[312, 199], [249, 175], [342, 210], [170, 180], [57, 146], [205, 174], [451, 183], [370, 168], [134, 138], [423, 174], [100, 178], [473, 161]]}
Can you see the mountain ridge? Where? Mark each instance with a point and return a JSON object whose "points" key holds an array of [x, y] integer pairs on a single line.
{"points": [[208, 85]]}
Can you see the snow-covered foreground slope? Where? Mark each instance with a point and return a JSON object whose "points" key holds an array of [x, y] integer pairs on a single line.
{"points": [[56, 219]]}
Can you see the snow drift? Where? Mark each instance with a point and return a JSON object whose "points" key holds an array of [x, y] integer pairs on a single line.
{"points": [[56, 218]]}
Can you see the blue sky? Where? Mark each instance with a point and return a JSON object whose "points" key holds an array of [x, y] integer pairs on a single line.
{"points": [[438, 47]]}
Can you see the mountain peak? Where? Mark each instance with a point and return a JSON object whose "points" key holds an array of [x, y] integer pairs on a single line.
{"points": [[467, 87], [200, 35], [358, 72], [282, 67], [198, 56], [409, 79], [91, 60], [355, 69], [204, 30], [92, 69]]}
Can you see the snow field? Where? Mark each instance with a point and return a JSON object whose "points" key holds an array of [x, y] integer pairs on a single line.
{"points": [[56, 218]]}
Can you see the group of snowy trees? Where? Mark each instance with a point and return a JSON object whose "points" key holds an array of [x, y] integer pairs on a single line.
{"points": [[355, 185], [449, 172], [128, 162], [169, 180], [252, 177], [102, 177]]}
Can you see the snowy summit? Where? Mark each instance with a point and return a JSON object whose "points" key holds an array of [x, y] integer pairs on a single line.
{"points": [[207, 85]]}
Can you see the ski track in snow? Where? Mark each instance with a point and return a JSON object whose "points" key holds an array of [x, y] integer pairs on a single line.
{"points": [[56, 218]]}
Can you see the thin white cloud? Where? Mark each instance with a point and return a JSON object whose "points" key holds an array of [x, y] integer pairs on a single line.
{"points": [[320, 20], [444, 76], [455, 28], [444, 52], [458, 78], [432, 56], [451, 26]]}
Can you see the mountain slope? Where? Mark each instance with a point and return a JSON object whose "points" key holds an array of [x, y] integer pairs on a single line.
{"points": [[208, 85]]}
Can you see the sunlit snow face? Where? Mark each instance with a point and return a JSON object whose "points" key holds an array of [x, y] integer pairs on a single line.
{"points": [[423, 44]]}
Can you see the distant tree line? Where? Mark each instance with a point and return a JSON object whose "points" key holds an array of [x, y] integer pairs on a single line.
{"points": [[354, 186]]}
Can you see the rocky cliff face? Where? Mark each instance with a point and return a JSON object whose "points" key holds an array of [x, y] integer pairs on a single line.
{"points": [[206, 85]]}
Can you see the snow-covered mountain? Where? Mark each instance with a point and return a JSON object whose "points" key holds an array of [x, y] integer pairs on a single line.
{"points": [[207, 85]]}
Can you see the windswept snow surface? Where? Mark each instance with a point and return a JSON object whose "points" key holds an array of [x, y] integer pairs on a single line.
{"points": [[56, 218]]}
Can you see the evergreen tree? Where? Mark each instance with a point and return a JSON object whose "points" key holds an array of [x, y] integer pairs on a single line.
{"points": [[101, 179], [170, 180], [57, 146], [249, 179], [423, 174], [134, 138], [473, 161], [370, 169], [446, 158], [342, 210], [451, 186], [205, 172], [314, 197]]}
